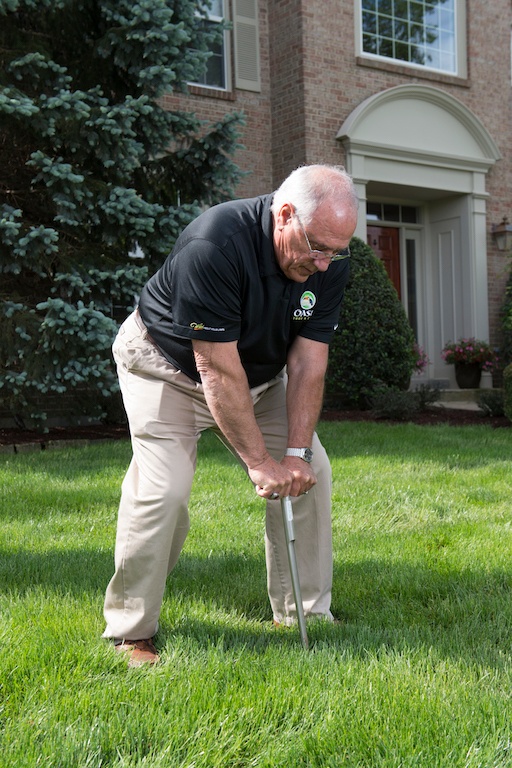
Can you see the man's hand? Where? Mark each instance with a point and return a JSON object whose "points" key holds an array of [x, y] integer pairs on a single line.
{"points": [[271, 478], [303, 476], [292, 477]]}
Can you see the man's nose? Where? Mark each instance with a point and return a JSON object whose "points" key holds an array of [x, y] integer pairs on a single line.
{"points": [[322, 264]]}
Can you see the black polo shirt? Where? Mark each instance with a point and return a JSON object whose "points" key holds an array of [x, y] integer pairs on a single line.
{"points": [[222, 283]]}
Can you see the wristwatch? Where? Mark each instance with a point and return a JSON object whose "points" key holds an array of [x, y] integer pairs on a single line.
{"points": [[306, 454]]}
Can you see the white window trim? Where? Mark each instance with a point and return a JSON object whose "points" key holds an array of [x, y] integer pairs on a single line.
{"points": [[460, 43]]}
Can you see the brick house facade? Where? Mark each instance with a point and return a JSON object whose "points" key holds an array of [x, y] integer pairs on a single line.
{"points": [[431, 146]]}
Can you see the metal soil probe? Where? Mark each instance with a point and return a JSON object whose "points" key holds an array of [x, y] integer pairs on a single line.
{"points": [[286, 508]]}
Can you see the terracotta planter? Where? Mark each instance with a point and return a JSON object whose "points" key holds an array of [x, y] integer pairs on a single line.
{"points": [[468, 375]]}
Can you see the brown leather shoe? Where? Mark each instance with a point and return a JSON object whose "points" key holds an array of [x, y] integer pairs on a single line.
{"points": [[138, 652]]}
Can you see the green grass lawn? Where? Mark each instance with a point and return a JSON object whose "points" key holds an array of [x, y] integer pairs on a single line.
{"points": [[417, 674]]}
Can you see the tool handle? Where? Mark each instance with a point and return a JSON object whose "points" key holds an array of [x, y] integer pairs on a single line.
{"points": [[287, 510]]}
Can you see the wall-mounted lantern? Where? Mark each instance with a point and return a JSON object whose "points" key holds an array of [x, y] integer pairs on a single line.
{"points": [[502, 235]]}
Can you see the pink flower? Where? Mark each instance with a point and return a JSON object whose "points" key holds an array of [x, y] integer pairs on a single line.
{"points": [[469, 351]]}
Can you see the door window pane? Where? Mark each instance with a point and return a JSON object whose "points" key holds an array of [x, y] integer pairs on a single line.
{"points": [[391, 212], [407, 214]]}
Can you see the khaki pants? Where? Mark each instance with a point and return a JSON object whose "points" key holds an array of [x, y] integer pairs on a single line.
{"points": [[167, 412]]}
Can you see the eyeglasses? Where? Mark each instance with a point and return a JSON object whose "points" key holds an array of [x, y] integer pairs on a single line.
{"points": [[336, 256]]}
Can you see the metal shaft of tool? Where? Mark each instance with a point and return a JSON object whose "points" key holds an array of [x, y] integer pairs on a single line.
{"points": [[286, 508]]}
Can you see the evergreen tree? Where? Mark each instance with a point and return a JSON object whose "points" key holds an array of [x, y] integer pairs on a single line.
{"points": [[92, 168]]}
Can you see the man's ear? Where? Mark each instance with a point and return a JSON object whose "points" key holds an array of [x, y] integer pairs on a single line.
{"points": [[285, 215]]}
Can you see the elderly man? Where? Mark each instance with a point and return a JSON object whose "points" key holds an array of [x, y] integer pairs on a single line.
{"points": [[232, 335]]}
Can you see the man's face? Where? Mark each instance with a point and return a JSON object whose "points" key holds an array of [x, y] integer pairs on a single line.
{"points": [[303, 250]]}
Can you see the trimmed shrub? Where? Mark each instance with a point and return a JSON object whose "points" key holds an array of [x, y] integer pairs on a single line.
{"points": [[374, 345], [397, 405], [394, 404], [491, 402], [427, 395]]}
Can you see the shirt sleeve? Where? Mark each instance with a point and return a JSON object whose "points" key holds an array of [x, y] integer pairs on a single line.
{"points": [[206, 293], [331, 289]]}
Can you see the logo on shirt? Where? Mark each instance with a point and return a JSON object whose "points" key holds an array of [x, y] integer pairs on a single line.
{"points": [[307, 302], [203, 327]]}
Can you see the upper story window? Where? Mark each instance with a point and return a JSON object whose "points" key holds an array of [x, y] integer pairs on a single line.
{"points": [[419, 33], [244, 34], [215, 74]]}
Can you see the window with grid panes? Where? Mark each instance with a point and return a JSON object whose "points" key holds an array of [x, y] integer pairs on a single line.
{"points": [[215, 73], [419, 33]]}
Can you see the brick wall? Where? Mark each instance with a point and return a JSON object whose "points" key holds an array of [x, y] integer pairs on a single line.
{"points": [[312, 80], [289, 148], [211, 105]]}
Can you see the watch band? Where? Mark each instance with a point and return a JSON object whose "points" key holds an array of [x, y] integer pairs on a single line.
{"points": [[306, 454]]}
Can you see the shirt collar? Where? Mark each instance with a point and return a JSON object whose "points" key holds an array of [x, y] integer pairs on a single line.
{"points": [[268, 261]]}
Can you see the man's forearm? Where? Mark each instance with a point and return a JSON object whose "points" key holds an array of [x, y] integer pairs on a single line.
{"points": [[231, 406], [304, 400], [228, 396], [229, 399], [307, 364]]}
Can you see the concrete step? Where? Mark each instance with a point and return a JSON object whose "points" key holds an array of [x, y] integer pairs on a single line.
{"points": [[458, 395], [460, 398]]}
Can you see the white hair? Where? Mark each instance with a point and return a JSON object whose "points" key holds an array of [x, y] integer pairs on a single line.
{"points": [[308, 186]]}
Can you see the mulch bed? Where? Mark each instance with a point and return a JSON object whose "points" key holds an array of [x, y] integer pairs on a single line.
{"points": [[16, 436], [434, 415]]}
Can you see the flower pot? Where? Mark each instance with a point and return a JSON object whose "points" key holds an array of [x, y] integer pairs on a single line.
{"points": [[467, 375]]}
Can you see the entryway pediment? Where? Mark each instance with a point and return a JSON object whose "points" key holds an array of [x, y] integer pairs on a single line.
{"points": [[419, 146], [419, 120]]}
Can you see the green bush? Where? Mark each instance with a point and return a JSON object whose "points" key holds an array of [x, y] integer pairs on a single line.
{"points": [[397, 405], [394, 404], [491, 402], [374, 345], [427, 395], [507, 391]]}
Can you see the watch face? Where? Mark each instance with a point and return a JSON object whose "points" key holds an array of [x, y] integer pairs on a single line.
{"points": [[308, 454]]}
